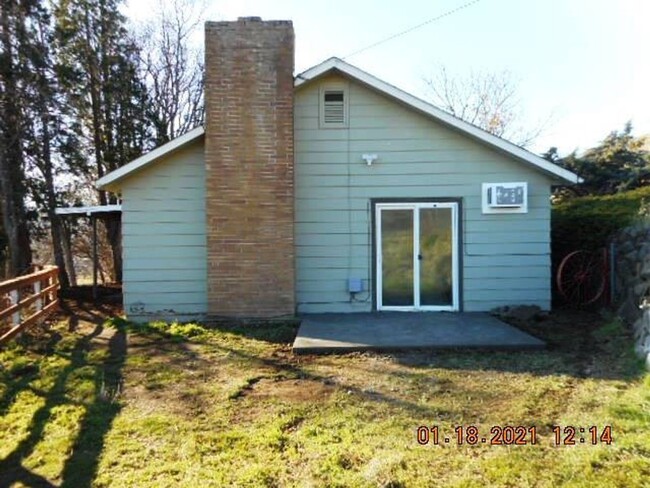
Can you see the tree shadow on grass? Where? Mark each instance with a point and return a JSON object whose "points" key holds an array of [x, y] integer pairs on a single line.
{"points": [[283, 368], [80, 468], [16, 381], [79, 310], [278, 365], [11, 469]]}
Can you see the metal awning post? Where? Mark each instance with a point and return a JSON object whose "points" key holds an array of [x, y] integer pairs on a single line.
{"points": [[94, 222]]}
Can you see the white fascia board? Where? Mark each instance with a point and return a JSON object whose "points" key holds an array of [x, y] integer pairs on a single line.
{"points": [[87, 210], [319, 69], [137, 164], [436, 113]]}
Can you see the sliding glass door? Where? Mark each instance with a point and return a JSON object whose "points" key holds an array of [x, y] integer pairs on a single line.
{"points": [[417, 257]]}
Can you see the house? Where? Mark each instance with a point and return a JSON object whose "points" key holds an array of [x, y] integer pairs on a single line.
{"points": [[333, 191]]}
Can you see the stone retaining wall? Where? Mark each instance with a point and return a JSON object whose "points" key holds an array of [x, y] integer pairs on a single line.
{"points": [[632, 283]]}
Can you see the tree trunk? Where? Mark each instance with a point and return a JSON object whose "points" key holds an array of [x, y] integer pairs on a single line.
{"points": [[11, 156], [67, 253], [100, 133], [57, 248], [55, 220], [114, 235]]}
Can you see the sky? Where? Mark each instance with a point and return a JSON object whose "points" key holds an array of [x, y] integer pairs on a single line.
{"points": [[581, 66]]}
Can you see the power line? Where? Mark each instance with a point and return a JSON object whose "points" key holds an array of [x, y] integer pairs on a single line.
{"points": [[411, 29]]}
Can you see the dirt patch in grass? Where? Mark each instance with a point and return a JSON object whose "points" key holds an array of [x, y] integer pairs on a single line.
{"points": [[290, 390], [170, 376], [590, 344]]}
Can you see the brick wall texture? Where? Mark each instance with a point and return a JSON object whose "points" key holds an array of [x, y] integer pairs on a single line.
{"points": [[249, 163]]}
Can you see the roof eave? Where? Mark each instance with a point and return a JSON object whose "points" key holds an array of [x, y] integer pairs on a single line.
{"points": [[111, 181]]}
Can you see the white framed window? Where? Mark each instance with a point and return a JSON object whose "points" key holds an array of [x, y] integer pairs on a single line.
{"points": [[511, 197], [333, 106]]}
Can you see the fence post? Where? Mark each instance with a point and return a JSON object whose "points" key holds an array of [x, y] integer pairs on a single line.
{"points": [[51, 279], [16, 311], [14, 297], [39, 301]]}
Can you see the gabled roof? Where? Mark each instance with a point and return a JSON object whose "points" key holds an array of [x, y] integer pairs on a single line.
{"points": [[106, 181], [338, 65]]}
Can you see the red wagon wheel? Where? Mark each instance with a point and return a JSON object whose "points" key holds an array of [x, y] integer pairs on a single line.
{"points": [[582, 277]]}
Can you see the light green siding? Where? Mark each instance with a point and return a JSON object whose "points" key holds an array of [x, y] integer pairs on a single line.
{"points": [[505, 259], [164, 245]]}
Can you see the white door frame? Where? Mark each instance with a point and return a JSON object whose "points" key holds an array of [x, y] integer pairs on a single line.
{"points": [[415, 208]]}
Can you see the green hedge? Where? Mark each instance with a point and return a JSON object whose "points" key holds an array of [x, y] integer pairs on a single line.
{"points": [[589, 222]]}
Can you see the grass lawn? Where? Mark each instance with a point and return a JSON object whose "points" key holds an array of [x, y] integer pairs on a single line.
{"points": [[91, 402]]}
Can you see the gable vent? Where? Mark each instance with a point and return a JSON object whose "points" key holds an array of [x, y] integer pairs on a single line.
{"points": [[334, 107]]}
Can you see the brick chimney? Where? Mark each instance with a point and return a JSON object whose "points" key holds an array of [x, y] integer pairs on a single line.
{"points": [[249, 167]]}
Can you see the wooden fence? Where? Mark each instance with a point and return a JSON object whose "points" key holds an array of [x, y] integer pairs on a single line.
{"points": [[27, 300]]}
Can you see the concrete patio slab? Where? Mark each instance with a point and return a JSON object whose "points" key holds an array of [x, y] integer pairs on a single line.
{"points": [[383, 331]]}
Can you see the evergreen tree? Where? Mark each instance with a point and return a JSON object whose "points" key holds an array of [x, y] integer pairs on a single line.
{"points": [[619, 163], [99, 74], [49, 144], [13, 38]]}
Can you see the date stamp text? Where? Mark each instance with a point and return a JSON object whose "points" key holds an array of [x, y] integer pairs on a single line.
{"points": [[512, 435]]}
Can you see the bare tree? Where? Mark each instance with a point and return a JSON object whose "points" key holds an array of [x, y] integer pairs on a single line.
{"points": [[486, 99], [173, 69]]}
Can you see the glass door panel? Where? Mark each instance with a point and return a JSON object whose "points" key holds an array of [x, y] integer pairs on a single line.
{"points": [[435, 257], [397, 257]]}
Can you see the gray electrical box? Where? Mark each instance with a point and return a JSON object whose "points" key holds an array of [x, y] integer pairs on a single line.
{"points": [[355, 285]]}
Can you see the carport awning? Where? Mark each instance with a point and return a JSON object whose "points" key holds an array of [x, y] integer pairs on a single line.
{"points": [[88, 211], [94, 212]]}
